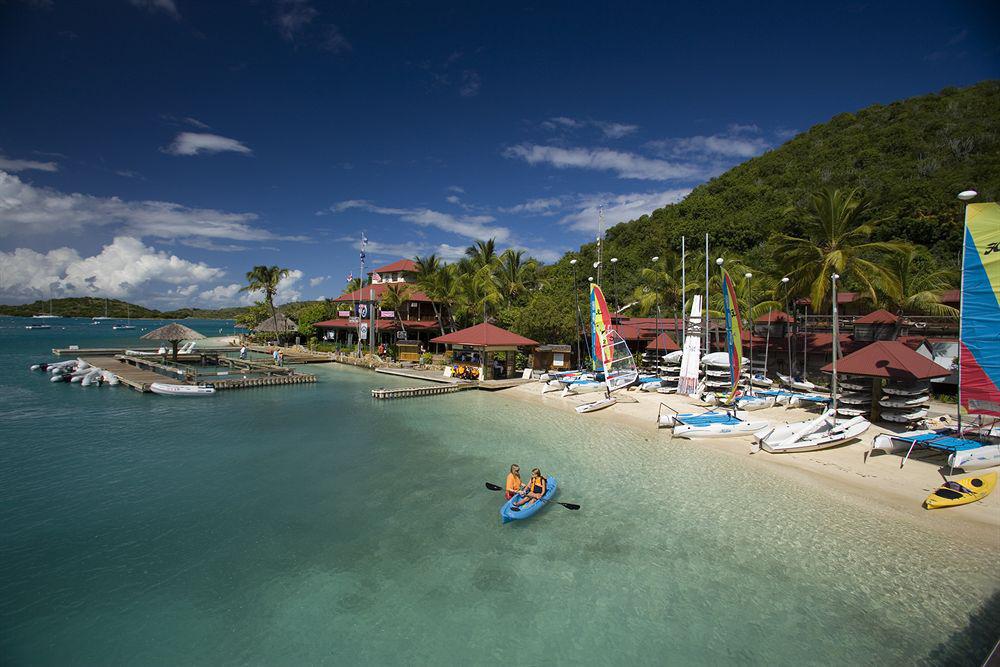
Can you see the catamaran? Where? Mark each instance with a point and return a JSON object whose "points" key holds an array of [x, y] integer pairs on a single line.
{"points": [[128, 320], [826, 430]]}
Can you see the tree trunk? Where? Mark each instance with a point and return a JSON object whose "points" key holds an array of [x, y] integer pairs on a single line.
{"points": [[274, 318], [175, 343]]}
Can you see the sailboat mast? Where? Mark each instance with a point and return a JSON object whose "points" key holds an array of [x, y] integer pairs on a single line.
{"points": [[836, 338], [683, 293], [705, 320]]}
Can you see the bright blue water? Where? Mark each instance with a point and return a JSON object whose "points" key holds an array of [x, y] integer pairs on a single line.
{"points": [[310, 524]]}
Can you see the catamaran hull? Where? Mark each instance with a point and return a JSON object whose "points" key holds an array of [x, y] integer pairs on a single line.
{"points": [[719, 430], [976, 459]]}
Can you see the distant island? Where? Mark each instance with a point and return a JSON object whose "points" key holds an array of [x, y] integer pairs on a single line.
{"points": [[95, 307]]}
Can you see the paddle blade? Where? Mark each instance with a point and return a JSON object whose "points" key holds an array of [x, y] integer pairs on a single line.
{"points": [[493, 487], [570, 506]]}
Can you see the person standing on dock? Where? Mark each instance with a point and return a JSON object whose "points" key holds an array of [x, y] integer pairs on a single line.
{"points": [[274, 355], [281, 357], [243, 353]]}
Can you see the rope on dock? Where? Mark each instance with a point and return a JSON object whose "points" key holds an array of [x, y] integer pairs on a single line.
{"points": [[410, 392]]}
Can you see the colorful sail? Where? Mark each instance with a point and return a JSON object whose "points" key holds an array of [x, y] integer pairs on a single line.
{"points": [[688, 382], [619, 368], [600, 326], [734, 340], [979, 348]]}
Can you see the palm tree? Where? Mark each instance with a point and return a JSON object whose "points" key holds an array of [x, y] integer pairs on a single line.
{"points": [[514, 276], [482, 254], [917, 284], [660, 287], [476, 291], [353, 285], [427, 279], [444, 290], [265, 279], [835, 239], [394, 298]]}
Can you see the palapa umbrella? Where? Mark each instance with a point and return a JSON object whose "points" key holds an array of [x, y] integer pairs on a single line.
{"points": [[174, 333]]}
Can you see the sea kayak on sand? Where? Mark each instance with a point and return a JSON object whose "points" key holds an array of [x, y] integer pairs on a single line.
{"points": [[507, 514]]}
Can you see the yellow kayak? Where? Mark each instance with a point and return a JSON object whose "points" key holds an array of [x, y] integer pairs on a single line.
{"points": [[961, 491]]}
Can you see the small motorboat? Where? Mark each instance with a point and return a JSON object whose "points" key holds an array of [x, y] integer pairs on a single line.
{"points": [[986, 456], [38, 326], [508, 513], [961, 492], [181, 389]]}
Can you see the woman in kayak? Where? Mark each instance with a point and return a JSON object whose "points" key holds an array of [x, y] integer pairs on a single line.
{"points": [[514, 484], [536, 488]]}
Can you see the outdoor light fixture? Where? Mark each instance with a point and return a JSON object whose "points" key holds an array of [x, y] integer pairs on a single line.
{"points": [[748, 275], [614, 259], [596, 264], [966, 195], [785, 280], [719, 261], [656, 257], [572, 261]]}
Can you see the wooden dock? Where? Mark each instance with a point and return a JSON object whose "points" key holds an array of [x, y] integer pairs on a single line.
{"points": [[129, 375], [412, 392]]}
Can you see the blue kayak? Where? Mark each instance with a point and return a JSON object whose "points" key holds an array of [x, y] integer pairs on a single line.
{"points": [[528, 510]]}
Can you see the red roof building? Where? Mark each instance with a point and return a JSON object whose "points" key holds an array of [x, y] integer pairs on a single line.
{"points": [[400, 265], [890, 360], [663, 343], [877, 317], [485, 335]]}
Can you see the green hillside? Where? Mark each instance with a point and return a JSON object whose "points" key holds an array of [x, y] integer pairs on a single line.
{"points": [[912, 157]]}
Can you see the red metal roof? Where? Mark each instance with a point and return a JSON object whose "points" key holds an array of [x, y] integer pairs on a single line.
{"points": [[774, 316], [398, 265], [842, 298], [484, 334], [380, 324], [879, 316], [663, 342], [889, 359], [363, 293]]}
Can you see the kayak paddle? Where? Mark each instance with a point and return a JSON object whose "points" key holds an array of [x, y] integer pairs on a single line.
{"points": [[569, 506]]}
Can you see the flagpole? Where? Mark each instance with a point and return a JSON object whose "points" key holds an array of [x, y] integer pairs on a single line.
{"points": [[683, 294]]}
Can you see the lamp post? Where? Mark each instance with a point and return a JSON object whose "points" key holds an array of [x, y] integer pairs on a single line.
{"points": [[966, 196], [655, 259], [749, 277]]}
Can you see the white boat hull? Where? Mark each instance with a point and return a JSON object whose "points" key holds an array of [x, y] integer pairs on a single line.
{"points": [[596, 405], [979, 458], [820, 433], [692, 431], [180, 389]]}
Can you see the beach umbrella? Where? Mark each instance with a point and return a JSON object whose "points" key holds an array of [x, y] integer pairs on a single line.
{"points": [[174, 333]]}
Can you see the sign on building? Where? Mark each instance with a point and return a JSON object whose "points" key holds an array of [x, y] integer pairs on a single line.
{"points": [[363, 332], [363, 310], [343, 313], [386, 313]]}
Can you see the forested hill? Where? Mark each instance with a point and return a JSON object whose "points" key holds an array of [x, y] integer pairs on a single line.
{"points": [[92, 307], [911, 157]]}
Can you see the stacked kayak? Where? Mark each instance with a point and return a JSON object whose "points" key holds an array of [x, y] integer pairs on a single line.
{"points": [[508, 514]]}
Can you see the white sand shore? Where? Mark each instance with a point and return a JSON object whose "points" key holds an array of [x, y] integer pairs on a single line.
{"points": [[842, 473]]}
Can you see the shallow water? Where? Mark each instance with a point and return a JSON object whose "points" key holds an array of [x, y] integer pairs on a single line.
{"points": [[310, 524]]}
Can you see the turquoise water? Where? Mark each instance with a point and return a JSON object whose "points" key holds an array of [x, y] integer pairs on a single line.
{"points": [[309, 524]]}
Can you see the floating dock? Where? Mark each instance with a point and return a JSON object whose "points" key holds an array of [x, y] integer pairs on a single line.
{"points": [[412, 392]]}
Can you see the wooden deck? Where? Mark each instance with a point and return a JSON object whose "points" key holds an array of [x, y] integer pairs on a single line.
{"points": [[128, 374], [420, 374], [412, 392]]}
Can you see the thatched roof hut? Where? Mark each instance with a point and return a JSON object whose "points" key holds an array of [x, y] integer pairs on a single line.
{"points": [[174, 333], [277, 324]]}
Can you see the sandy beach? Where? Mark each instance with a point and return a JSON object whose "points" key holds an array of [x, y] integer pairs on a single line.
{"points": [[843, 473]]}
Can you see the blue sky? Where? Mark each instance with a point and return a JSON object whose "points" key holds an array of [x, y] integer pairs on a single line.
{"points": [[155, 150]]}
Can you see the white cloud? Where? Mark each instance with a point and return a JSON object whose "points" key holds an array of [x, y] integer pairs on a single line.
{"points": [[619, 208], [738, 141], [625, 165], [27, 209], [227, 294], [469, 226], [166, 6], [334, 40], [195, 143], [611, 130], [124, 268], [233, 294], [10, 164], [195, 122], [293, 16], [313, 282], [453, 199], [455, 188], [539, 206], [470, 83]]}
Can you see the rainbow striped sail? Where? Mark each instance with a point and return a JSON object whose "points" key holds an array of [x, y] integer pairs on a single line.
{"points": [[734, 340], [600, 328], [979, 348]]}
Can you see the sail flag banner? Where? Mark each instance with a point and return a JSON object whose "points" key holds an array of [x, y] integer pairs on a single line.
{"points": [[734, 340], [688, 382], [979, 347], [600, 326]]}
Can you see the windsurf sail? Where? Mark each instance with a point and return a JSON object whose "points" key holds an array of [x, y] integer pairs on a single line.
{"points": [[979, 348], [619, 368], [600, 327], [734, 341], [688, 382]]}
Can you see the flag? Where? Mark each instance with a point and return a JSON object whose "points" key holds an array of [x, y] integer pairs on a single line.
{"points": [[376, 278]]}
